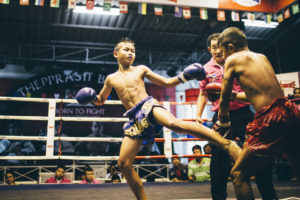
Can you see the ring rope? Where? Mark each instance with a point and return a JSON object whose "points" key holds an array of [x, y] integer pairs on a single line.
{"points": [[104, 158], [89, 139], [74, 101], [83, 119]]}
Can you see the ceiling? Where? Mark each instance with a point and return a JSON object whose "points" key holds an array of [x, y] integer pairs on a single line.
{"points": [[44, 36]]}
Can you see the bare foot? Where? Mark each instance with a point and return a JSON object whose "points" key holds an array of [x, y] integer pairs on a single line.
{"points": [[233, 150]]}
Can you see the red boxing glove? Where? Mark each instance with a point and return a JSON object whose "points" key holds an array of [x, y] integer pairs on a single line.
{"points": [[213, 91]]}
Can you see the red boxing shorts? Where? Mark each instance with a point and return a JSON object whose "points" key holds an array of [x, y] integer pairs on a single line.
{"points": [[275, 129]]}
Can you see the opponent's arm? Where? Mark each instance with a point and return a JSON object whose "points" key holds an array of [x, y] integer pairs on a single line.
{"points": [[226, 90]]}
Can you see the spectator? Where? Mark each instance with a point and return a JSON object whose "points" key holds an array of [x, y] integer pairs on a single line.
{"points": [[16, 151], [59, 176], [199, 167], [113, 173], [15, 128], [207, 149], [4, 145], [10, 178], [115, 179], [94, 148], [179, 172], [67, 147], [88, 177]]}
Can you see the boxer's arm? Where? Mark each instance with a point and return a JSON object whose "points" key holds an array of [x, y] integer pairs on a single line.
{"points": [[104, 93], [160, 80], [226, 91]]}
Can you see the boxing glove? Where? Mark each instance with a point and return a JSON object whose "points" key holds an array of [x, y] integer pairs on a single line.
{"points": [[193, 71], [86, 95], [213, 91]]}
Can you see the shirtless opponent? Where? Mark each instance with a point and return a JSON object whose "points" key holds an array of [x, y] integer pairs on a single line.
{"points": [[146, 116], [276, 124]]}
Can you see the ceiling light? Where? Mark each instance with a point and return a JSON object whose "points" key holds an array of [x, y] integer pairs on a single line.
{"points": [[97, 10], [260, 23]]}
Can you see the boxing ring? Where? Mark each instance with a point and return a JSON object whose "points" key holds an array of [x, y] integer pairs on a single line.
{"points": [[162, 190]]}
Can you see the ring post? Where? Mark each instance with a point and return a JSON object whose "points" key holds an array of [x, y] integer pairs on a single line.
{"points": [[167, 135], [50, 128]]}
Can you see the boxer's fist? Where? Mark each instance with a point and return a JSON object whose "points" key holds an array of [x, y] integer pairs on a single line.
{"points": [[86, 95], [193, 71], [223, 127], [213, 91]]}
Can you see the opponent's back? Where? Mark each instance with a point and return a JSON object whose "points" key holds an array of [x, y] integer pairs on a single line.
{"points": [[256, 76]]}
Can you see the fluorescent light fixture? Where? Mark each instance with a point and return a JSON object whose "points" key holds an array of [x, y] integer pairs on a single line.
{"points": [[259, 23], [97, 10]]}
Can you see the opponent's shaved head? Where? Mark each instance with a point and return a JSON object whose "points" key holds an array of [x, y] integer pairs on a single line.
{"points": [[233, 36], [123, 40]]}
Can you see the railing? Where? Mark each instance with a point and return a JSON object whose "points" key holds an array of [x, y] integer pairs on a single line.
{"points": [[36, 174]]}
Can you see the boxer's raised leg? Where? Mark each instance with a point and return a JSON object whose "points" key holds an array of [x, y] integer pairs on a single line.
{"points": [[166, 119]]}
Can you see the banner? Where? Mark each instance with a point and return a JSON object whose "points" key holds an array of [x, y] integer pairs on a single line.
{"points": [[178, 11], [288, 82], [35, 86], [142, 8], [203, 13], [24, 2], [221, 15], [251, 16], [123, 7], [90, 4], [235, 16], [54, 3], [268, 18], [279, 17], [72, 4], [39, 2], [187, 13], [4, 1], [287, 13], [107, 5], [295, 9], [158, 10]]}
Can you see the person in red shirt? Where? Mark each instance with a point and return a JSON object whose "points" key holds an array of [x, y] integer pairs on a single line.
{"points": [[59, 176], [89, 177]]}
